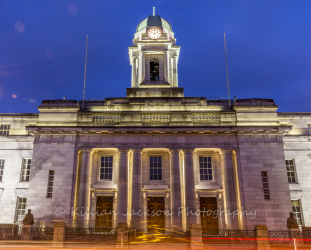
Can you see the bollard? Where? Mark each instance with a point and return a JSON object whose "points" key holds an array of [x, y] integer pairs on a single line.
{"points": [[262, 237], [59, 234], [27, 232], [196, 236], [122, 235]]}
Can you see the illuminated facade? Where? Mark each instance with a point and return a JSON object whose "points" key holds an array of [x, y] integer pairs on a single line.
{"points": [[156, 151]]}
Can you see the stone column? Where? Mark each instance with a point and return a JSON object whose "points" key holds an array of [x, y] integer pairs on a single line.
{"points": [[229, 189], [143, 66], [175, 72], [134, 77], [190, 208], [84, 185], [137, 195], [166, 69], [122, 187], [175, 184]]}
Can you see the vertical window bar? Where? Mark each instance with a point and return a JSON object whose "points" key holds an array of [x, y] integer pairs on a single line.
{"points": [[1, 168], [266, 192], [50, 184]]}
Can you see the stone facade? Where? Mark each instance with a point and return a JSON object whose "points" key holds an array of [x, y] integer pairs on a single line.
{"points": [[72, 146]]}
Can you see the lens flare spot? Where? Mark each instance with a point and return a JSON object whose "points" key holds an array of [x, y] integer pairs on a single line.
{"points": [[72, 9], [14, 96], [32, 100], [19, 26], [49, 53]]}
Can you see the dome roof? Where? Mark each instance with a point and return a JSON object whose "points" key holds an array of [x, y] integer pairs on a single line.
{"points": [[154, 21]]}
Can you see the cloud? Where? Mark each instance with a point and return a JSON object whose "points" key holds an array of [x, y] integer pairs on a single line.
{"points": [[32, 100], [19, 26], [72, 9], [49, 53]]}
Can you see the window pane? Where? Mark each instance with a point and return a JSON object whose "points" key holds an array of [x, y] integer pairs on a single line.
{"points": [[206, 170], [26, 169], [290, 168], [21, 209], [155, 164], [296, 210], [106, 165]]}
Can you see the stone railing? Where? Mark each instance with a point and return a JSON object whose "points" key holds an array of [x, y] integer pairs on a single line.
{"points": [[106, 118], [155, 118], [208, 117]]}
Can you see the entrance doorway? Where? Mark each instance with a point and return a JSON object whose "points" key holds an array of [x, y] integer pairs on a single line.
{"points": [[104, 211], [156, 214], [209, 215]]}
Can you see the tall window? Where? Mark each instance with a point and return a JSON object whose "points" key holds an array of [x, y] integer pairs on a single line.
{"points": [[4, 129], [155, 168], [291, 175], [21, 208], [26, 170], [1, 168], [50, 184], [265, 185], [106, 168], [154, 70], [206, 171], [297, 211]]}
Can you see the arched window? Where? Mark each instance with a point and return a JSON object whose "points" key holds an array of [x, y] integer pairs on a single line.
{"points": [[154, 70]]}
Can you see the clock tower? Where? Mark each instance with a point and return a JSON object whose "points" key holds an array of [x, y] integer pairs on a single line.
{"points": [[154, 55]]}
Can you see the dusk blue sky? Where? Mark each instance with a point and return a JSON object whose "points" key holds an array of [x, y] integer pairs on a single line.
{"points": [[42, 49]]}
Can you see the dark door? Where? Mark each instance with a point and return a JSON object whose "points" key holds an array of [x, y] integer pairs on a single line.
{"points": [[209, 216], [156, 214], [104, 211]]}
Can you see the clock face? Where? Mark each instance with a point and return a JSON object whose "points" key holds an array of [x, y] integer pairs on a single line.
{"points": [[154, 33]]}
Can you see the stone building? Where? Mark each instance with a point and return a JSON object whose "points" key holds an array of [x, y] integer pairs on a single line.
{"points": [[155, 157]]}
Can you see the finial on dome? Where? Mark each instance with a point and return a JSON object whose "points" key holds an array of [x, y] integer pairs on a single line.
{"points": [[153, 11]]}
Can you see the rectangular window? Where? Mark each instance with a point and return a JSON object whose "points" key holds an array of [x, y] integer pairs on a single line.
{"points": [[155, 168], [1, 168], [106, 168], [4, 129], [266, 192], [291, 175], [296, 206], [50, 184], [206, 171], [26, 170], [21, 208]]}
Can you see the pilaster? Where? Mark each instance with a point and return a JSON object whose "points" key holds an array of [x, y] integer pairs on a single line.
{"points": [[190, 208], [230, 204], [122, 206], [175, 184]]}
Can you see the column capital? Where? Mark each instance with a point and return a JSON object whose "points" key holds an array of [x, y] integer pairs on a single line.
{"points": [[137, 150], [86, 150], [174, 151], [226, 151], [188, 150], [123, 150]]}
